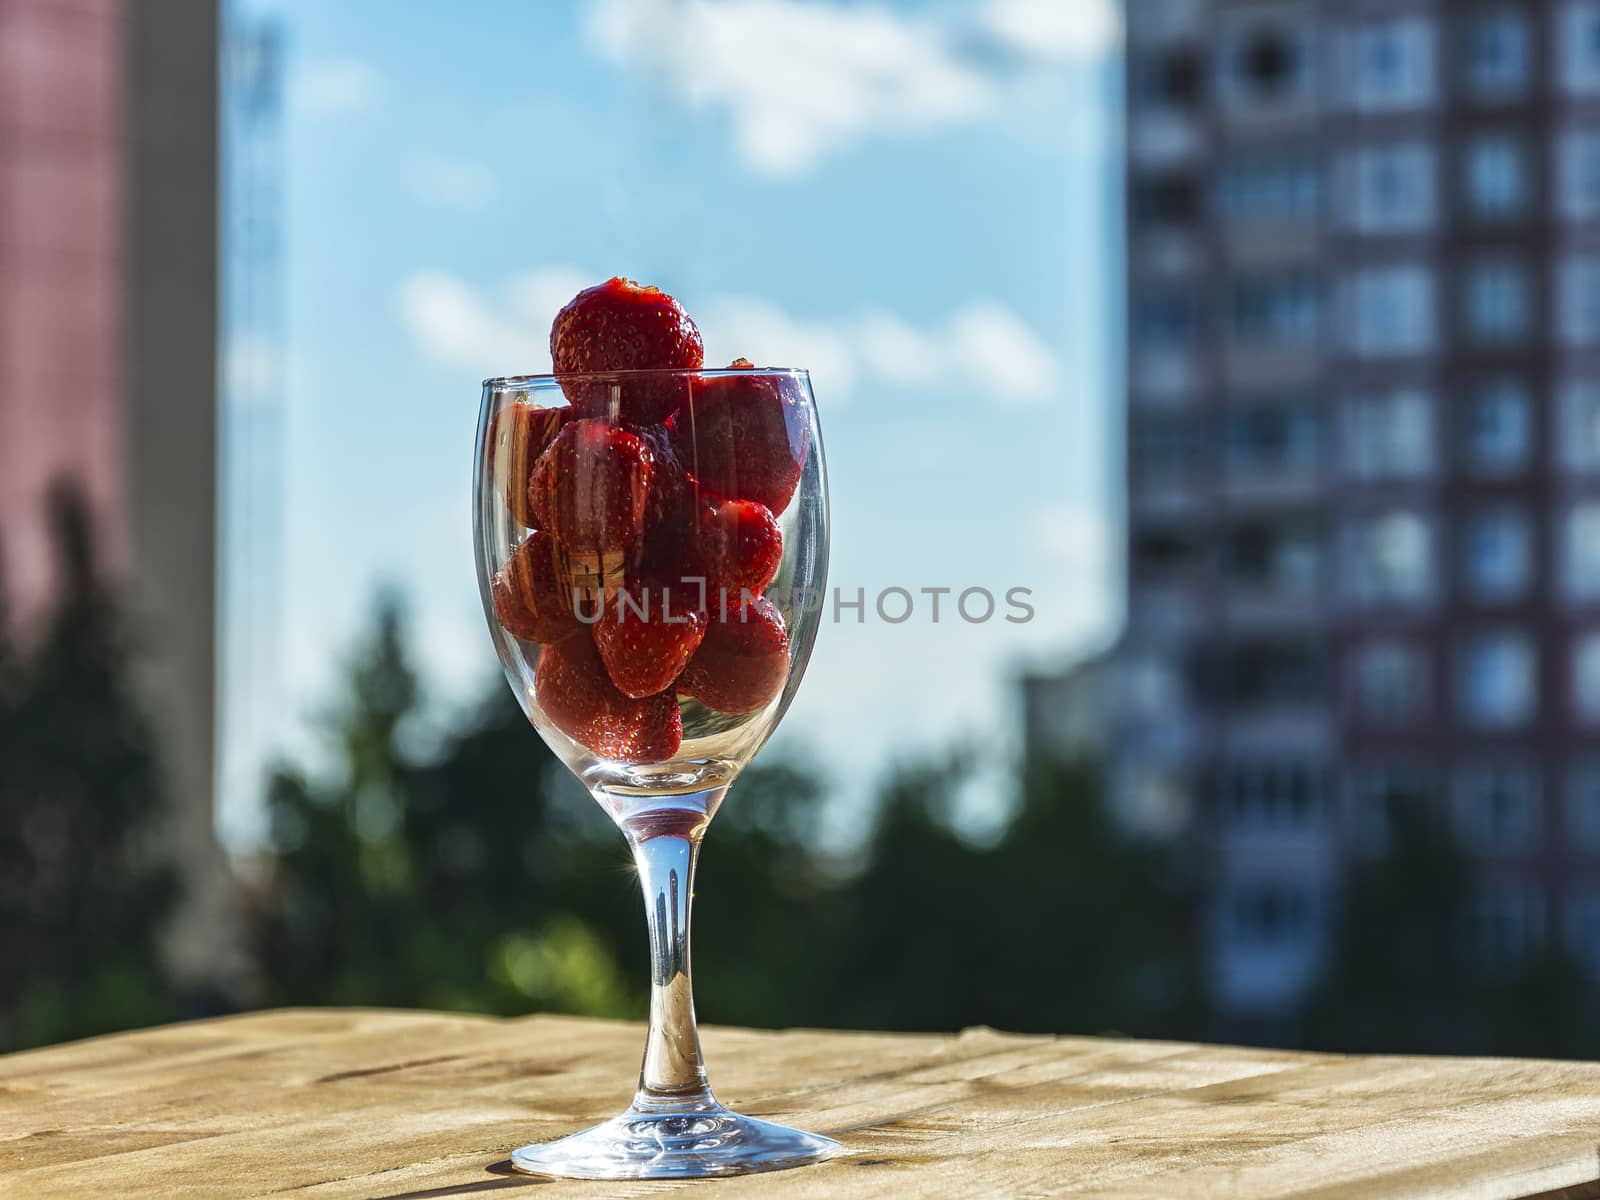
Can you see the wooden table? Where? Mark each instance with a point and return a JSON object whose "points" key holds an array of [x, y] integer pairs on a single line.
{"points": [[412, 1106]]}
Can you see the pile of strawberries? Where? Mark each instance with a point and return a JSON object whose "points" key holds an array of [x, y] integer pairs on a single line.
{"points": [[653, 505]]}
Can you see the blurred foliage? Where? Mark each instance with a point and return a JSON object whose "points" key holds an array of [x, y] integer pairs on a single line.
{"points": [[467, 870], [1401, 935], [1402, 977], [411, 883], [480, 877], [84, 889]]}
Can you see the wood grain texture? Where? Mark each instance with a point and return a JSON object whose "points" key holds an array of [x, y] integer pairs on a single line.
{"points": [[411, 1106]]}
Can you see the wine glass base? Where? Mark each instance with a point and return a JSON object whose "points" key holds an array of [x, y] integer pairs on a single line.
{"points": [[692, 1144]]}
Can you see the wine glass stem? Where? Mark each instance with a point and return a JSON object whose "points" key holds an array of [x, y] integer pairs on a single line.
{"points": [[674, 1074]]}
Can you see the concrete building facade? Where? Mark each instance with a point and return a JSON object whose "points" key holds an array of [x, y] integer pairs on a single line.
{"points": [[108, 372], [1363, 422]]}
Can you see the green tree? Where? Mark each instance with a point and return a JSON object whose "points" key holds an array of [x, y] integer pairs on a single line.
{"points": [[84, 884], [1403, 977], [1063, 924], [766, 906], [423, 881], [481, 876], [1399, 978], [1544, 1010]]}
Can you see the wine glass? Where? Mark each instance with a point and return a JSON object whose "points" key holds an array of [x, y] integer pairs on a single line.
{"points": [[651, 550]]}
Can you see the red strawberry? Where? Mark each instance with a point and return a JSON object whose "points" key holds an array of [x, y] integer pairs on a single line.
{"points": [[591, 485], [620, 326], [738, 547], [530, 598], [743, 662], [647, 635], [671, 505], [572, 688], [745, 436], [518, 435]]}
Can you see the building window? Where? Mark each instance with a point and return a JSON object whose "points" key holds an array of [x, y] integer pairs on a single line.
{"points": [[1392, 188], [1389, 436], [1583, 930], [1497, 554], [1272, 672], [1578, 175], [1495, 431], [1271, 440], [1376, 794], [1495, 302], [1497, 684], [1265, 65], [1166, 449], [1579, 297], [1496, 178], [1165, 202], [1272, 312], [1497, 58], [1269, 915], [1578, 431], [1165, 324], [1171, 79], [1506, 923], [1581, 552], [1270, 797], [1282, 558], [1159, 553], [1586, 677], [1392, 65], [1389, 558], [1391, 311], [1578, 46], [1391, 681], [1270, 189], [1583, 804], [1495, 807]]}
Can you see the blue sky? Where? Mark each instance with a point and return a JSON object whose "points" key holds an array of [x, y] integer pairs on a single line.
{"points": [[915, 201]]}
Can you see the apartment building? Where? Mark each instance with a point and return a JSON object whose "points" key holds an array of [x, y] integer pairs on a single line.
{"points": [[1363, 439], [108, 321]]}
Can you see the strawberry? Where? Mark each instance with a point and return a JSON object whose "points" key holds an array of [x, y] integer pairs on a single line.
{"points": [[670, 508], [518, 435], [743, 663], [620, 326], [647, 635], [530, 597], [575, 693], [738, 547], [591, 485], [745, 436]]}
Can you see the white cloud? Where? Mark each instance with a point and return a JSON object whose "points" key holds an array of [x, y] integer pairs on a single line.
{"points": [[1054, 30], [797, 78], [252, 369], [800, 78], [461, 327], [1080, 543], [762, 332], [335, 86], [983, 345], [540, 295], [451, 183], [991, 343], [1074, 536], [896, 350]]}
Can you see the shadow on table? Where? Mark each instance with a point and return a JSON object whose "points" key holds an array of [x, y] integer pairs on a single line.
{"points": [[512, 1179]]}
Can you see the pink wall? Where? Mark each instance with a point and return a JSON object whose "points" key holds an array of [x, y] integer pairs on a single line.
{"points": [[61, 255]]}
